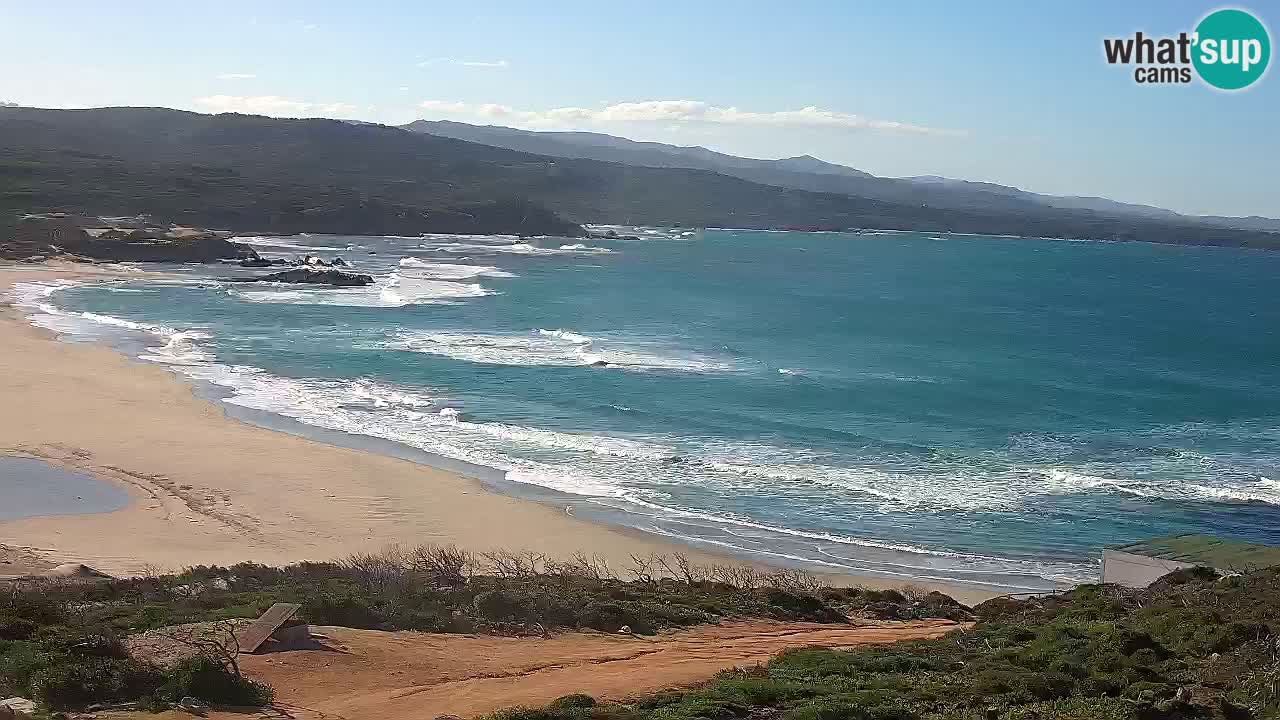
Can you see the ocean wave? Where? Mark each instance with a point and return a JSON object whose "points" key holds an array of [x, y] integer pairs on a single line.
{"points": [[410, 417], [395, 290], [187, 346], [553, 348], [183, 347], [261, 241], [450, 271], [1060, 481], [922, 489], [516, 248], [967, 563]]}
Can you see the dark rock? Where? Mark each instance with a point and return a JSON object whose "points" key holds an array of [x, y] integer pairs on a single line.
{"points": [[58, 234], [314, 260], [338, 262], [255, 262], [313, 276]]}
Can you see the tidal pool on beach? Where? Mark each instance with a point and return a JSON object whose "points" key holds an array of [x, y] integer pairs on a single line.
{"points": [[33, 488]]}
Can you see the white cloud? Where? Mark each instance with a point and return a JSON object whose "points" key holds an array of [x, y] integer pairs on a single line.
{"points": [[237, 76], [676, 112], [275, 105], [465, 63]]}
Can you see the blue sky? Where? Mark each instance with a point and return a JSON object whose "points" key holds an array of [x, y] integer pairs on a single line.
{"points": [[1016, 93]]}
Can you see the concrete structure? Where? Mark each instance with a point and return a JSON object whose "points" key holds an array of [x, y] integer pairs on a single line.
{"points": [[1140, 564]]}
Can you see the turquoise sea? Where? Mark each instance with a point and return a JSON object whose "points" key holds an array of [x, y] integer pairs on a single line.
{"points": [[961, 408]]}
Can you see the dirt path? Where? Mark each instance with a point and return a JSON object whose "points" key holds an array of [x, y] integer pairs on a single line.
{"points": [[369, 674]]}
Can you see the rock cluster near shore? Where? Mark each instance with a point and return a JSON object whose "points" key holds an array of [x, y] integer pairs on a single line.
{"points": [[81, 237], [314, 276]]}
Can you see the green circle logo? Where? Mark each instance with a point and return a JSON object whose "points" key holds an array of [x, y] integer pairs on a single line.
{"points": [[1232, 49]]}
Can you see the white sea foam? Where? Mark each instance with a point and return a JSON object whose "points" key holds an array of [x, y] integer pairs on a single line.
{"points": [[183, 347], [273, 243], [556, 348], [632, 233], [1067, 482], [373, 409], [417, 267], [177, 347], [566, 335], [516, 248]]}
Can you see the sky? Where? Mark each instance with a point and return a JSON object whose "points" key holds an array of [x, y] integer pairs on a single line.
{"points": [[1016, 93]]}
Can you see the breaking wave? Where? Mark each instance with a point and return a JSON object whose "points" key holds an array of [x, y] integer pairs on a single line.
{"points": [[394, 290], [554, 348], [448, 271], [516, 248], [1067, 482], [177, 347]]}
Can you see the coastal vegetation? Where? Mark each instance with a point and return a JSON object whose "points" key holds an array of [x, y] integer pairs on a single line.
{"points": [[1193, 645], [65, 643], [252, 173]]}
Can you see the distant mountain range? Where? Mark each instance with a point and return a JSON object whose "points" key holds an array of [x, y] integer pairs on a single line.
{"points": [[809, 173], [254, 173]]}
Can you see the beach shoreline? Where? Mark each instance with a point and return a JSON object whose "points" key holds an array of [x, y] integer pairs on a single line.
{"points": [[207, 488]]}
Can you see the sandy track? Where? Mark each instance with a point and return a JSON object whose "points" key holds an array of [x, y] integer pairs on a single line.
{"points": [[370, 674]]}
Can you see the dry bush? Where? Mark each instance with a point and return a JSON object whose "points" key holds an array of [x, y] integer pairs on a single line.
{"points": [[446, 565], [388, 568], [678, 566], [589, 567], [642, 568], [913, 593], [792, 580], [515, 563], [745, 577], [216, 641]]}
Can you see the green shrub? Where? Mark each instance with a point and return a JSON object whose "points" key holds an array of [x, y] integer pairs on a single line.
{"points": [[577, 701], [61, 668], [499, 605], [16, 628], [208, 680]]}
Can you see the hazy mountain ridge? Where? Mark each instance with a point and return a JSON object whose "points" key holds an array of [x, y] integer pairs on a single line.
{"points": [[247, 172], [809, 173]]}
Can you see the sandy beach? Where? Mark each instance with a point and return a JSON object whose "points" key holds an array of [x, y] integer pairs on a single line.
{"points": [[208, 489]]}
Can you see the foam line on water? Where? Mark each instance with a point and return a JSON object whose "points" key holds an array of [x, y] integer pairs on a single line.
{"points": [[391, 291], [563, 348], [418, 267]]}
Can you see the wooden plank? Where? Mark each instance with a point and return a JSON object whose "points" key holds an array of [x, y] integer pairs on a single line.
{"points": [[251, 637]]}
